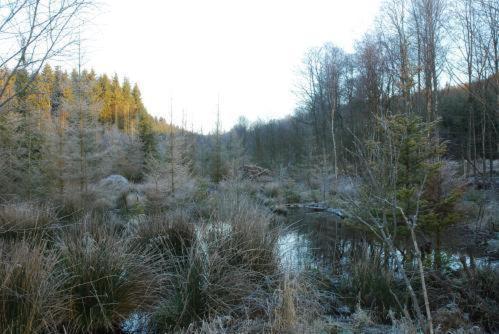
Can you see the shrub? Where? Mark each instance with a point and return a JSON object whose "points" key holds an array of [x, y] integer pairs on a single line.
{"points": [[479, 296], [272, 189], [131, 204], [31, 293]]}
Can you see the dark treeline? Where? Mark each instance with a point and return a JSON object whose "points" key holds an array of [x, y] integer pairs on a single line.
{"points": [[435, 59]]}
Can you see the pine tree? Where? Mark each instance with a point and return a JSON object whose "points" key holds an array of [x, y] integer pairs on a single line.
{"points": [[146, 135], [62, 93], [9, 157], [217, 168], [117, 102], [31, 138], [84, 147], [406, 168], [104, 92], [127, 100]]}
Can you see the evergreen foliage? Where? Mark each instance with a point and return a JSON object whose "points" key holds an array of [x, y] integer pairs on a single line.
{"points": [[57, 131]]}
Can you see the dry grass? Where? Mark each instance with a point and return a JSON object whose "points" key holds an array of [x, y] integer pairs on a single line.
{"points": [[165, 233], [228, 261], [361, 318], [177, 273], [25, 220], [210, 280], [371, 286], [285, 313], [32, 298], [106, 282], [244, 228]]}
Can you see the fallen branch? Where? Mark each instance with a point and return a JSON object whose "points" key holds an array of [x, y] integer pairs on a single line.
{"points": [[314, 207]]}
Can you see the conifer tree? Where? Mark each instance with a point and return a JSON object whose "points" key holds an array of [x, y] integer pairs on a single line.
{"points": [[217, 170], [62, 93], [9, 157], [175, 159], [84, 147], [31, 139], [117, 102], [127, 101], [104, 92], [146, 135]]}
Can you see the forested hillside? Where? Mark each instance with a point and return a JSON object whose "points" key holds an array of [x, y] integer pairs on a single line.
{"points": [[64, 131], [437, 60]]}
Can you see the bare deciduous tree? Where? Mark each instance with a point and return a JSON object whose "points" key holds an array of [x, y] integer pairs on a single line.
{"points": [[33, 32], [431, 24]]}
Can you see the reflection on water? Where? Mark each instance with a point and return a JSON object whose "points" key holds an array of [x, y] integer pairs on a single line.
{"points": [[316, 240], [294, 251]]}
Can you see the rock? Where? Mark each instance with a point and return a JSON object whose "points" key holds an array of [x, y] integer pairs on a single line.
{"points": [[111, 189], [114, 183]]}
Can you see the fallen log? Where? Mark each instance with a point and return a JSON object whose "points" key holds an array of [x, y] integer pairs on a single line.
{"points": [[314, 207]]}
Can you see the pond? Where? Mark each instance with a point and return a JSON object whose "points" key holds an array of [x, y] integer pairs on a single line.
{"points": [[315, 240]]}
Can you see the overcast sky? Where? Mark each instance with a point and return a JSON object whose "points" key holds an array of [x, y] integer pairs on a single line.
{"points": [[246, 52]]}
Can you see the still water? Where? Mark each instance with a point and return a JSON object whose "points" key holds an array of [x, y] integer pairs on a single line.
{"points": [[314, 240]]}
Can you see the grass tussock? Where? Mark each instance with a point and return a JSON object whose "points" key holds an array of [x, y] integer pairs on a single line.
{"points": [[26, 220], [32, 298], [168, 233], [371, 286], [244, 229], [230, 259], [173, 269], [106, 281], [475, 294]]}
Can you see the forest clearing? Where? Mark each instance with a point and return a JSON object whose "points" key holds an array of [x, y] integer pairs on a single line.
{"points": [[372, 208]]}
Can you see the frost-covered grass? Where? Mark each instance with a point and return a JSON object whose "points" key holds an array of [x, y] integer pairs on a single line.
{"points": [[203, 260], [26, 220], [171, 267]]}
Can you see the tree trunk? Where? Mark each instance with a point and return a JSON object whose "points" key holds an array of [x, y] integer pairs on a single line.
{"points": [[423, 281]]}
